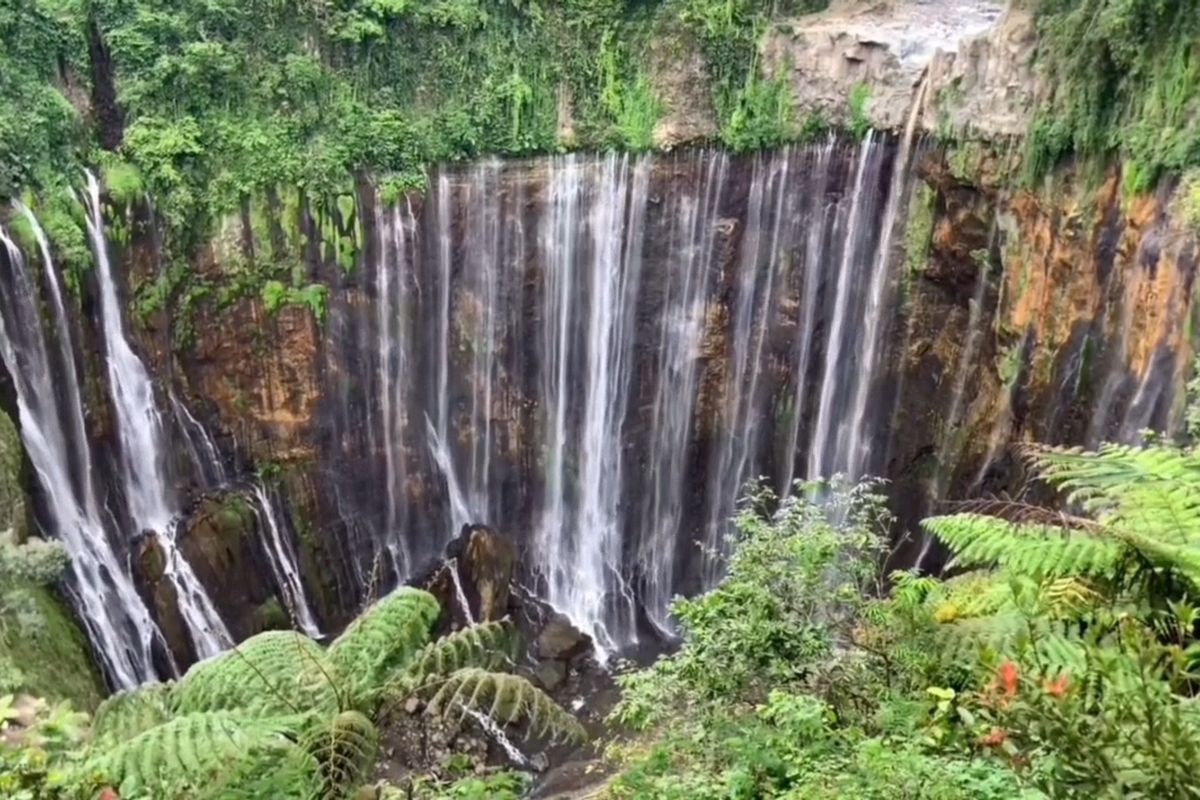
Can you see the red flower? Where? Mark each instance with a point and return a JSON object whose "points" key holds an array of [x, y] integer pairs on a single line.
{"points": [[109, 793], [1058, 687], [1009, 679], [995, 738]]}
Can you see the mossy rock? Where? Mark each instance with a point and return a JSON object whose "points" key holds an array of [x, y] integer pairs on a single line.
{"points": [[47, 651]]}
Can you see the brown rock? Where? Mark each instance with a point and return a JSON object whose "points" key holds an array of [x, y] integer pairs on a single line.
{"points": [[561, 640], [487, 566]]}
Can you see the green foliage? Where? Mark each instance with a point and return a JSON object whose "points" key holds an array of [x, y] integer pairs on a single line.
{"points": [[504, 785], [488, 646], [1041, 550], [127, 714], [860, 120], [506, 699], [276, 672], [384, 638], [791, 681], [796, 574], [1058, 660], [315, 296], [344, 750], [761, 115], [35, 743], [279, 716], [188, 754], [1086, 622], [1124, 75], [42, 649]]}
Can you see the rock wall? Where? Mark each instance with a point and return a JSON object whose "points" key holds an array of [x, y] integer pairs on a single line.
{"points": [[1058, 315], [461, 323]]}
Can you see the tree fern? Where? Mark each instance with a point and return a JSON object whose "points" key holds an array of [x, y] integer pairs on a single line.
{"points": [[277, 672], [126, 714], [343, 750], [488, 646], [1147, 497], [1037, 550], [384, 638], [183, 756], [506, 699]]}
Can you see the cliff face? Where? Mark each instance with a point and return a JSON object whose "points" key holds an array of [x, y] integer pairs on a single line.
{"points": [[733, 344], [593, 354]]}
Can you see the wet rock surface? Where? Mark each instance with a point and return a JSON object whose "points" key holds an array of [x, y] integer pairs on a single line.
{"points": [[554, 655]]}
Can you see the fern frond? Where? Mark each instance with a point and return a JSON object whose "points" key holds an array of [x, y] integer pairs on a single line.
{"points": [[343, 749], [506, 700], [1039, 551], [488, 646], [184, 755], [1147, 497], [277, 672], [126, 714], [384, 638]]}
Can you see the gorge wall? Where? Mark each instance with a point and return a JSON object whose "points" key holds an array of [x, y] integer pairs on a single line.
{"points": [[590, 353]]}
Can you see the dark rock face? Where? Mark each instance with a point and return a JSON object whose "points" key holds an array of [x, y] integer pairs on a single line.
{"points": [[560, 640], [456, 380], [984, 342]]}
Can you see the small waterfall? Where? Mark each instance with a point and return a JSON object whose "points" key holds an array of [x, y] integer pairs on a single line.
{"points": [[816, 227], [393, 368], [117, 621], [201, 448], [840, 365], [141, 447], [693, 222], [282, 556], [855, 462], [460, 594], [557, 251]]}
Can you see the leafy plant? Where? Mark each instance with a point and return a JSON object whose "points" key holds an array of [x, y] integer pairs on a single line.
{"points": [[281, 716], [860, 119]]}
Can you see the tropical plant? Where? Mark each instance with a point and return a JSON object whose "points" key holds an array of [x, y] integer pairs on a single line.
{"points": [[280, 716], [1086, 618]]}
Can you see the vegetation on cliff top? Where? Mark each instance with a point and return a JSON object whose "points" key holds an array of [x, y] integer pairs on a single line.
{"points": [[1124, 79]]}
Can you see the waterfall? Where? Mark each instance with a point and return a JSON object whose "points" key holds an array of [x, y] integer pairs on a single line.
{"points": [[393, 367], [141, 447], [282, 557], [52, 428], [840, 364], [591, 353], [816, 227], [693, 226], [645, 400], [856, 459]]}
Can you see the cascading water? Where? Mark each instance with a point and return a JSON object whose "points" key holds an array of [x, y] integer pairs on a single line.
{"points": [[543, 326], [141, 447], [693, 226], [51, 421], [282, 557], [593, 354]]}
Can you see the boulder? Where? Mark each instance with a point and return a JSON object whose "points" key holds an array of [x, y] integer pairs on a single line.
{"points": [[561, 640]]}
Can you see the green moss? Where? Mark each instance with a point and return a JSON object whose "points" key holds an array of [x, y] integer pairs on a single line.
{"points": [[919, 232], [860, 121], [48, 651], [1009, 365], [122, 179], [1126, 81], [1189, 192]]}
